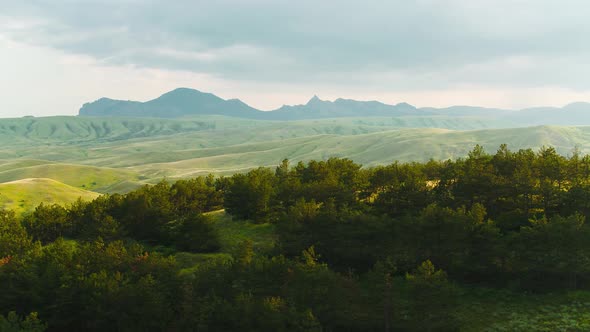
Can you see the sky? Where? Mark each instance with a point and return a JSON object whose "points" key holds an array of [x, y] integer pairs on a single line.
{"points": [[56, 55]]}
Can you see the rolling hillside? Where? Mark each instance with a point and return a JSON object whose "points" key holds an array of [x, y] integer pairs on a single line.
{"points": [[69, 130], [98, 179], [75, 130], [110, 155], [24, 195], [369, 149]]}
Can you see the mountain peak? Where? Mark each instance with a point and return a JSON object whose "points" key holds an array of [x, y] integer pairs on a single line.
{"points": [[314, 100], [406, 106], [181, 89], [183, 92]]}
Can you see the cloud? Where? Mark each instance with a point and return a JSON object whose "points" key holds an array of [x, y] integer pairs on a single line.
{"points": [[310, 41], [501, 53], [40, 81]]}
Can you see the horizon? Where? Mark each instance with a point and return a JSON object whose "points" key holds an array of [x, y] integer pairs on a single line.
{"points": [[315, 96], [334, 99], [428, 54]]}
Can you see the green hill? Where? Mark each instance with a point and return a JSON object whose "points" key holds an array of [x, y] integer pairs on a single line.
{"points": [[68, 130], [24, 195], [109, 165], [369, 149], [98, 179]]}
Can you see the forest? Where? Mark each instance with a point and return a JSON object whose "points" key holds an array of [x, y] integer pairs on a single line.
{"points": [[402, 247]]}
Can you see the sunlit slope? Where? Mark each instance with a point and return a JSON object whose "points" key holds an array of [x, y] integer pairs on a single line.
{"points": [[119, 162], [24, 195], [99, 179], [119, 142], [74, 130], [368, 149]]}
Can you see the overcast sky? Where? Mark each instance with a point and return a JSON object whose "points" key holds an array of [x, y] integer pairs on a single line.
{"points": [[57, 54]]}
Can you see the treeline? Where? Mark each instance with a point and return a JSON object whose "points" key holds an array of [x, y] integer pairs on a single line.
{"points": [[510, 219], [385, 248], [162, 214]]}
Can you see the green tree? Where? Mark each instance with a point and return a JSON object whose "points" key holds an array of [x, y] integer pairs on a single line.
{"points": [[551, 173], [13, 323], [195, 196], [552, 252], [145, 212], [337, 180], [195, 234], [14, 239], [48, 222], [432, 300], [400, 189], [250, 196]]}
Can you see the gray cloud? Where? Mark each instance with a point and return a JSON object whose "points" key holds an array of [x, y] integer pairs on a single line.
{"points": [[404, 44]]}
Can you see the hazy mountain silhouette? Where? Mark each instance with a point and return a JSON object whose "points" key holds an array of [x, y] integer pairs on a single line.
{"points": [[180, 102], [185, 102], [317, 108], [572, 114]]}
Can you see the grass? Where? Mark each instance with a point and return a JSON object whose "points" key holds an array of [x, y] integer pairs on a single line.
{"points": [[99, 179], [233, 233], [498, 310], [190, 263], [24, 195]]}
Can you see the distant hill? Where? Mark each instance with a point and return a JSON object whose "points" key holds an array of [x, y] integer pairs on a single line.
{"points": [[574, 114], [184, 102], [71, 130], [235, 145], [469, 111], [181, 102], [317, 108]]}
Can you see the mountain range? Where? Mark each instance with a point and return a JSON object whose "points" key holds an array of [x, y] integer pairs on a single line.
{"points": [[184, 102]]}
